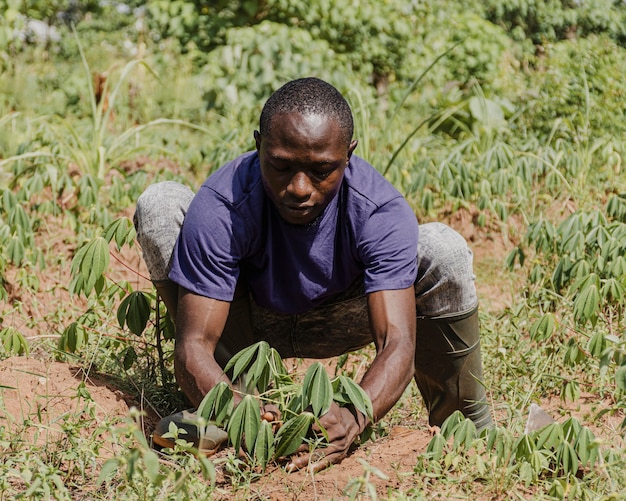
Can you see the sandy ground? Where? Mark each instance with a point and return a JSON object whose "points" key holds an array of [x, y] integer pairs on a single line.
{"points": [[46, 393]]}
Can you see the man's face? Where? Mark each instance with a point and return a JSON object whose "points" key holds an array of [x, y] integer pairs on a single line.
{"points": [[303, 159]]}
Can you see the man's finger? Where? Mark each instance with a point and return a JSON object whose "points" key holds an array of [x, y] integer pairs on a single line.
{"points": [[303, 461], [268, 416], [303, 448], [315, 461]]}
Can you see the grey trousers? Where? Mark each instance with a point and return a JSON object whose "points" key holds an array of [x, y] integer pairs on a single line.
{"points": [[444, 288]]}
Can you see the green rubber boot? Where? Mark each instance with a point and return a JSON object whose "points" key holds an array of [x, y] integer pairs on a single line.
{"points": [[207, 439], [448, 369]]}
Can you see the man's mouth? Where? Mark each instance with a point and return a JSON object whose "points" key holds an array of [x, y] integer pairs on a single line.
{"points": [[298, 213], [299, 208]]}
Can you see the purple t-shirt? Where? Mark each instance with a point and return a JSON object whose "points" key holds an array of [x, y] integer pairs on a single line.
{"points": [[232, 228]]}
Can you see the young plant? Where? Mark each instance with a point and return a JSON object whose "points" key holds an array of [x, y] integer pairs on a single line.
{"points": [[261, 374]]}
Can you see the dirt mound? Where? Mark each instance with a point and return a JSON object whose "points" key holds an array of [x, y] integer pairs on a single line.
{"points": [[38, 397], [393, 456]]}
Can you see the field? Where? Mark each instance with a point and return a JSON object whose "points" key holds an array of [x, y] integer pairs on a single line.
{"points": [[514, 138]]}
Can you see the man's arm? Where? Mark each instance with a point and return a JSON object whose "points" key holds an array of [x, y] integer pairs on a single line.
{"points": [[392, 323], [199, 325]]}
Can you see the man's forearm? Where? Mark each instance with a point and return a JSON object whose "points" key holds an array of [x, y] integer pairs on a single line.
{"points": [[387, 378], [196, 370], [392, 322], [199, 326]]}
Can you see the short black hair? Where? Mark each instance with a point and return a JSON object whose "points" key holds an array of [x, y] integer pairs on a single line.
{"points": [[308, 96]]}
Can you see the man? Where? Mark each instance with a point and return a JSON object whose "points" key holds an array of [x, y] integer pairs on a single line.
{"points": [[305, 245]]}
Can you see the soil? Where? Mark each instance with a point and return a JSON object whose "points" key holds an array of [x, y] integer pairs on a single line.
{"points": [[45, 392], [45, 395]]}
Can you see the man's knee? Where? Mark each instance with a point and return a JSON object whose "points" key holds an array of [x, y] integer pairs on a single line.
{"points": [[159, 215], [445, 282], [167, 199]]}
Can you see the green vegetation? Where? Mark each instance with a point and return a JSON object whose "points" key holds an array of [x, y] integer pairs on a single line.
{"points": [[511, 112]]}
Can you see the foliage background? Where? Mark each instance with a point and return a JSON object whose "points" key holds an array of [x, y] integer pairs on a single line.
{"points": [[513, 112]]}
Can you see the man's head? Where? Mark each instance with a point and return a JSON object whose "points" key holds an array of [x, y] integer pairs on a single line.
{"points": [[304, 144]]}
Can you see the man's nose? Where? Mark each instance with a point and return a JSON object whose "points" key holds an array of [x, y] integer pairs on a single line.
{"points": [[300, 186]]}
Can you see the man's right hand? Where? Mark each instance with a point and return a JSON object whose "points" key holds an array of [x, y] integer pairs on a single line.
{"points": [[342, 428]]}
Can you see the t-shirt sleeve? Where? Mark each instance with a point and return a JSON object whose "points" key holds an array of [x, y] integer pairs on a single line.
{"points": [[388, 247], [207, 254]]}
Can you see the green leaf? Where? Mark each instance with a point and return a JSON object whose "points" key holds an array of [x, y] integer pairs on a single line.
{"points": [[279, 372], [264, 447], [620, 378], [73, 338], [586, 447], [131, 463], [464, 434], [526, 473], [561, 273], [298, 403], [571, 428], [587, 303], [19, 219], [89, 264], [550, 436], [571, 391], [543, 328], [130, 356], [241, 361], [618, 267], [613, 291], [95, 261], [487, 112], [356, 395], [217, 404], [558, 488], [317, 389], [524, 448], [151, 461], [567, 458], [259, 374], [573, 353], [13, 341], [15, 250], [134, 311], [292, 434], [108, 469], [493, 436], [244, 423], [208, 468], [515, 254], [597, 344], [436, 446], [122, 230], [538, 461], [450, 425]]}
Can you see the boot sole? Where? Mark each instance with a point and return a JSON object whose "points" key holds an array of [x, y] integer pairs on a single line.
{"points": [[169, 444]]}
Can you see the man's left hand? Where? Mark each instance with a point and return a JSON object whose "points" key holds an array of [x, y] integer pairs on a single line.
{"points": [[342, 429]]}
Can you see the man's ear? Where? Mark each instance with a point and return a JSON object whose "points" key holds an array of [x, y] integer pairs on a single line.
{"points": [[257, 140], [353, 145]]}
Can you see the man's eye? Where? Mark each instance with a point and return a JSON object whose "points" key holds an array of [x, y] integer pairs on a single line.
{"points": [[322, 175]]}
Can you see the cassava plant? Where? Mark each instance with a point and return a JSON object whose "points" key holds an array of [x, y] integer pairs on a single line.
{"points": [[134, 308], [559, 455], [580, 262], [263, 379]]}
